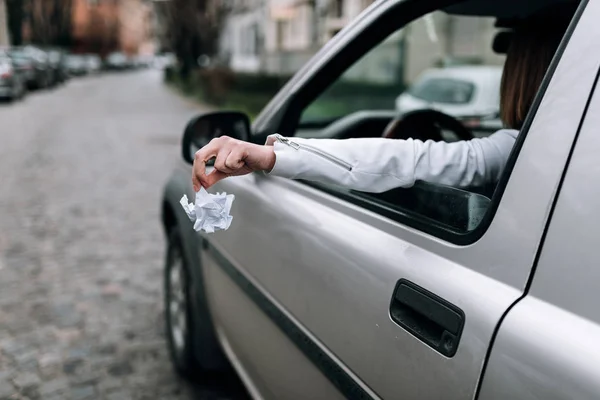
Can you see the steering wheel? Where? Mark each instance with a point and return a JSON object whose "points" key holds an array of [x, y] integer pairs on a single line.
{"points": [[425, 125]]}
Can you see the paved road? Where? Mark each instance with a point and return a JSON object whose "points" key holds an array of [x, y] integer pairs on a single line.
{"points": [[81, 248]]}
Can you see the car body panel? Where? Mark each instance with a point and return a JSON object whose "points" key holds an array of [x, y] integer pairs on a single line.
{"points": [[333, 266], [307, 258], [262, 356], [330, 267], [12, 77], [543, 352], [547, 348]]}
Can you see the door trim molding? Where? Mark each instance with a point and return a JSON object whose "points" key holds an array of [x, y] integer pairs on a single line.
{"points": [[327, 365]]}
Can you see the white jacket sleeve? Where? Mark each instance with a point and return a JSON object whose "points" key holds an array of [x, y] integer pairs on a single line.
{"points": [[377, 165]]}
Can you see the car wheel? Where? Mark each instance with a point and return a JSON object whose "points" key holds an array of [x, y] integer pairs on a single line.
{"points": [[179, 316]]}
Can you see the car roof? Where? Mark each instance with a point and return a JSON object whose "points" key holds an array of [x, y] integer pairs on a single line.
{"points": [[505, 9]]}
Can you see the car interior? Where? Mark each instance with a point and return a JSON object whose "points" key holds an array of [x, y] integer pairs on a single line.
{"points": [[456, 210]]}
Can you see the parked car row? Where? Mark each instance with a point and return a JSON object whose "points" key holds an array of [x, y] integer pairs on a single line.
{"points": [[83, 64], [120, 61], [24, 68], [29, 68]]}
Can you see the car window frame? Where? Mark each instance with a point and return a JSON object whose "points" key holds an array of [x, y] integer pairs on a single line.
{"points": [[301, 92]]}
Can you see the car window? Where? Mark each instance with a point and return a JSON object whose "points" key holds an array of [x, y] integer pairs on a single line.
{"points": [[439, 61], [396, 75], [443, 90]]}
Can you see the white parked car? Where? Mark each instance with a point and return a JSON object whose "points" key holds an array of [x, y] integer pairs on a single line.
{"points": [[93, 62], [117, 61], [471, 94]]}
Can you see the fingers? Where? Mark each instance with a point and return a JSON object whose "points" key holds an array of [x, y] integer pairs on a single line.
{"points": [[228, 159], [213, 177], [220, 160], [200, 158], [196, 183]]}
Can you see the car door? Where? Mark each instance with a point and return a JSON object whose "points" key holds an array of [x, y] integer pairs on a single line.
{"points": [[319, 292], [546, 347]]}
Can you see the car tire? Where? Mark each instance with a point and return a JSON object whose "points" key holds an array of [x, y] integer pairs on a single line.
{"points": [[179, 316]]}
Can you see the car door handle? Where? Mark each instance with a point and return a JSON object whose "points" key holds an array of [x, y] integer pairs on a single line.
{"points": [[428, 317]]}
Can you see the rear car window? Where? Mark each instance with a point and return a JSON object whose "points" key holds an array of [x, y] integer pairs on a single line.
{"points": [[443, 90]]}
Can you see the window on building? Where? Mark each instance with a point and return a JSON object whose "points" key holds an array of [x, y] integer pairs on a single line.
{"points": [[367, 3], [337, 8], [280, 34]]}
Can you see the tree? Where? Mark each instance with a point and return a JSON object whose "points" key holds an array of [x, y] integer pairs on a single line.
{"points": [[15, 17], [50, 21], [193, 28], [102, 32]]}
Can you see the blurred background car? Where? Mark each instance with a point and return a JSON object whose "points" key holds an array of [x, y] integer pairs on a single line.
{"points": [[117, 61], [34, 63], [471, 94], [93, 63], [13, 78], [24, 64], [56, 59], [76, 65], [143, 61], [165, 60], [41, 64]]}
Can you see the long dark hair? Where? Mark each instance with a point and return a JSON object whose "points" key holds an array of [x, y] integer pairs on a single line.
{"points": [[531, 50]]}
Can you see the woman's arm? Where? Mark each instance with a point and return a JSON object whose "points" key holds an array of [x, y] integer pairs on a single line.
{"points": [[378, 165]]}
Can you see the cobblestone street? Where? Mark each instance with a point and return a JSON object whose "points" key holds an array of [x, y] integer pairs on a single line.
{"points": [[81, 248]]}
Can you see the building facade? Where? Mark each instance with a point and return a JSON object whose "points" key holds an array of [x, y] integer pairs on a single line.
{"points": [[243, 35], [279, 36], [102, 26], [4, 37]]}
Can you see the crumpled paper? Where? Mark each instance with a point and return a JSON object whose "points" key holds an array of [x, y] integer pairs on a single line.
{"points": [[209, 212]]}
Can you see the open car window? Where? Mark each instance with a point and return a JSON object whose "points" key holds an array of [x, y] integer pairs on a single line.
{"points": [[441, 62], [424, 64]]}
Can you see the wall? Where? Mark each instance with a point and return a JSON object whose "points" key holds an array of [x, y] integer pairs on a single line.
{"points": [[4, 37], [439, 38], [95, 26], [382, 65], [242, 40], [107, 25], [288, 26], [291, 38], [135, 29]]}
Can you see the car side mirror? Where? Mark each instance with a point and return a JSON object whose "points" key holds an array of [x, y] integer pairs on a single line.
{"points": [[205, 127]]}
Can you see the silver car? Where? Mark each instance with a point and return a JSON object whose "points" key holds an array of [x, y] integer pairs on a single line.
{"points": [[13, 79], [318, 292]]}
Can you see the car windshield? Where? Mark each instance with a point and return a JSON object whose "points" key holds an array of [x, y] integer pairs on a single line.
{"points": [[443, 90]]}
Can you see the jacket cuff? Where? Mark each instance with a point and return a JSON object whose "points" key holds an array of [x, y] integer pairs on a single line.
{"points": [[286, 159]]}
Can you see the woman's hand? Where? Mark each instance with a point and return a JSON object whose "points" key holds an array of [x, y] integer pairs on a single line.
{"points": [[232, 157]]}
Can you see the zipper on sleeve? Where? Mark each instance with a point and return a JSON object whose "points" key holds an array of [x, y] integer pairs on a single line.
{"points": [[314, 150]]}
